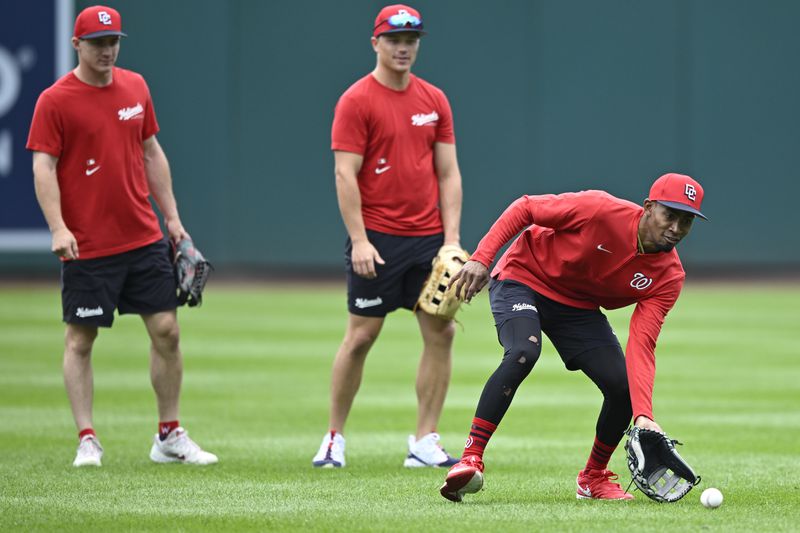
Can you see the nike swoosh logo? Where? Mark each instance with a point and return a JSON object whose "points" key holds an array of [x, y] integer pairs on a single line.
{"points": [[600, 247], [382, 170], [585, 491], [91, 171]]}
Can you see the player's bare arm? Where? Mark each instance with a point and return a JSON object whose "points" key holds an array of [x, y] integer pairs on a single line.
{"points": [[48, 194], [364, 255], [159, 180], [468, 281], [450, 192]]}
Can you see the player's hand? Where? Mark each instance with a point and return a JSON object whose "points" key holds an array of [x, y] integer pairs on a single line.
{"points": [[644, 422], [364, 257], [175, 230], [64, 244], [472, 277]]}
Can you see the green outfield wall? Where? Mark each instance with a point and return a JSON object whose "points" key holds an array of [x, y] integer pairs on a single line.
{"points": [[548, 96]]}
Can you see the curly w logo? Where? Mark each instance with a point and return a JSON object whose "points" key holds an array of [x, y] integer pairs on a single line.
{"points": [[640, 281]]}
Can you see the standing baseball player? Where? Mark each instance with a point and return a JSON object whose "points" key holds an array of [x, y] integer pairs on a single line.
{"points": [[96, 161], [580, 251], [399, 191]]}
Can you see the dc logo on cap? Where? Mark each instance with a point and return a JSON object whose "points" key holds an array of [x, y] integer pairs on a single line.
{"points": [[104, 17], [690, 192]]}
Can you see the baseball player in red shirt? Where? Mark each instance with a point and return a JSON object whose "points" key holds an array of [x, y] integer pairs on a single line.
{"points": [[580, 252], [399, 191], [96, 161]]}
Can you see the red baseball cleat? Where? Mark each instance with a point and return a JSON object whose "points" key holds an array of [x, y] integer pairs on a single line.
{"points": [[465, 477], [597, 485]]}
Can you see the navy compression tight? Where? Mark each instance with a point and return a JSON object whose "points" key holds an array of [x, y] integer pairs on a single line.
{"points": [[605, 366]]}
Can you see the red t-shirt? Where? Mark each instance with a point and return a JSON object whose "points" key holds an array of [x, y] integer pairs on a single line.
{"points": [[97, 133], [581, 250], [395, 132]]}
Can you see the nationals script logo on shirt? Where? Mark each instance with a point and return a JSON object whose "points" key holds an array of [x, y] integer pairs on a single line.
{"points": [[127, 113], [421, 119]]}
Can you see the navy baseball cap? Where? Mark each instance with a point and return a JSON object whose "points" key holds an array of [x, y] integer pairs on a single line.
{"points": [[678, 191], [98, 21], [397, 18]]}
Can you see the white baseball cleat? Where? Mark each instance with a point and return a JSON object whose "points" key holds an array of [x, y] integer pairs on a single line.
{"points": [[427, 452], [89, 452], [331, 451], [179, 448]]}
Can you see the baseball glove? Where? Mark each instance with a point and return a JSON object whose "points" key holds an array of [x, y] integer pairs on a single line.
{"points": [[657, 468], [191, 273], [435, 299]]}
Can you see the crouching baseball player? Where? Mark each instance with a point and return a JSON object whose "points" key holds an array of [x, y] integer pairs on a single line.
{"points": [[580, 252]]}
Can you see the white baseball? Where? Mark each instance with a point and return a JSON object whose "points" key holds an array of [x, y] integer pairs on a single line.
{"points": [[711, 498]]}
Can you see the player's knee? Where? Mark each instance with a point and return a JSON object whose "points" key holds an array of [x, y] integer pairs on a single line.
{"points": [[443, 335], [437, 333], [166, 336], [359, 341], [78, 341], [522, 357], [172, 337]]}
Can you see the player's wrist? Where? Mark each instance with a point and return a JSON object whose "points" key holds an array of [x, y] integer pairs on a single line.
{"points": [[476, 257]]}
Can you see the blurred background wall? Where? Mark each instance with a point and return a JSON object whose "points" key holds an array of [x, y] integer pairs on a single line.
{"points": [[548, 96]]}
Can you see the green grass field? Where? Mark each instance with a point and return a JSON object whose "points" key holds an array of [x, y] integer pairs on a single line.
{"points": [[257, 363]]}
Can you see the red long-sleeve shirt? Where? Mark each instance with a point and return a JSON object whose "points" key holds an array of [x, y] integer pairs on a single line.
{"points": [[580, 249]]}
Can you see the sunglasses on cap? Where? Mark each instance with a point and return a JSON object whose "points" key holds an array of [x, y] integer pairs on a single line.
{"points": [[403, 19]]}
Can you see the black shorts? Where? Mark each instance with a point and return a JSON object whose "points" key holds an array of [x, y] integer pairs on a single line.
{"points": [[399, 281], [571, 330], [140, 281]]}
